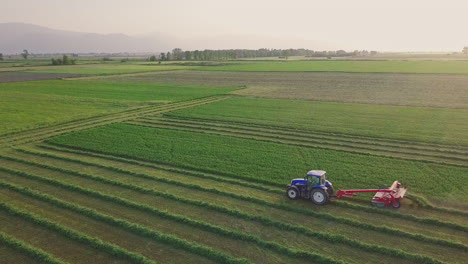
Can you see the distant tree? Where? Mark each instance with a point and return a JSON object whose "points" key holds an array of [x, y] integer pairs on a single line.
{"points": [[286, 54], [25, 54], [465, 51], [373, 53], [177, 54], [1, 56], [188, 55], [65, 60], [168, 56], [162, 56], [152, 58]]}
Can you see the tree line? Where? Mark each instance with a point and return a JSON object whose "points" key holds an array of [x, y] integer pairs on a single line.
{"points": [[230, 54]]}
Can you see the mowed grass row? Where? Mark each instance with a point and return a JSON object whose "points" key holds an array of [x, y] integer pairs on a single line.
{"points": [[419, 124], [142, 235], [70, 245], [411, 223], [148, 247], [371, 149], [39, 134], [304, 134], [425, 209], [180, 190], [334, 239], [205, 231], [264, 162], [14, 250], [447, 67], [119, 167]]}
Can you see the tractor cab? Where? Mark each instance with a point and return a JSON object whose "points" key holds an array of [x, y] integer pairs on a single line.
{"points": [[313, 186]]}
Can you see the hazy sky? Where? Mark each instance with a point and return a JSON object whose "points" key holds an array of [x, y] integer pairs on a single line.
{"points": [[350, 24]]}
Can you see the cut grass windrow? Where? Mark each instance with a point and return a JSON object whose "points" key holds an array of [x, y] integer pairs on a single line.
{"points": [[278, 191], [215, 255], [431, 221], [219, 178], [24, 248], [41, 133], [237, 235], [337, 146], [457, 149], [70, 233], [353, 141], [423, 202], [304, 211], [180, 169]]}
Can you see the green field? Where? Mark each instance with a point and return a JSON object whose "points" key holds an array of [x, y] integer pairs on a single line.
{"points": [[435, 90], [266, 162], [21, 111], [107, 69], [188, 162], [447, 67], [115, 91], [27, 105], [435, 125]]}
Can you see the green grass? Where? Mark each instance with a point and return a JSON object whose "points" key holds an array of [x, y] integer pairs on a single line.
{"points": [[107, 69], [20, 111], [371, 88], [268, 162], [27, 105], [114, 91], [132, 196], [449, 67], [434, 125]]}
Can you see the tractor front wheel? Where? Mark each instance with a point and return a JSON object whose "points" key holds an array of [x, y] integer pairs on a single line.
{"points": [[319, 196], [292, 193]]}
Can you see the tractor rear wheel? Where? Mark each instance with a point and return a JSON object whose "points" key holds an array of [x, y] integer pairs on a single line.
{"points": [[292, 193], [319, 196]]}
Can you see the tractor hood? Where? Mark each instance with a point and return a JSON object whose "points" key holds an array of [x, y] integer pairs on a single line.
{"points": [[299, 181]]}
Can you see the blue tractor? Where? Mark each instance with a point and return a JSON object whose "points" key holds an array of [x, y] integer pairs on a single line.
{"points": [[313, 186]]}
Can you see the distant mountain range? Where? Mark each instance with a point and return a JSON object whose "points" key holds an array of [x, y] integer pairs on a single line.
{"points": [[37, 39]]}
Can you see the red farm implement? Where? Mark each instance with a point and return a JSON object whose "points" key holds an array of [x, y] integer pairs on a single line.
{"points": [[384, 197]]}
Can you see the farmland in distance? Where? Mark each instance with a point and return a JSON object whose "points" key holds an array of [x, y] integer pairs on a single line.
{"points": [[188, 162], [434, 90]]}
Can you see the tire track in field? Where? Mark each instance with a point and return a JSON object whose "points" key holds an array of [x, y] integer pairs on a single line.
{"points": [[42, 133], [441, 155]]}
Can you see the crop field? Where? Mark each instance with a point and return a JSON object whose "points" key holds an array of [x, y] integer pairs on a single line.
{"points": [[107, 69], [434, 90], [18, 76], [443, 67], [191, 166], [26, 105], [402, 123]]}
